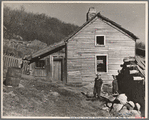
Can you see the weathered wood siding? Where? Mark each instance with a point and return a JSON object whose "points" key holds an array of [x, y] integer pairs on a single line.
{"points": [[81, 51], [37, 72], [52, 70], [41, 72]]}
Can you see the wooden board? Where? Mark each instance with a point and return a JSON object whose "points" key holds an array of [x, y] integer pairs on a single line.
{"points": [[40, 72], [81, 51], [57, 71]]}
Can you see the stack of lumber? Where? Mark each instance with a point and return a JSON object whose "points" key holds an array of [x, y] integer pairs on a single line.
{"points": [[141, 65], [131, 79], [136, 66]]}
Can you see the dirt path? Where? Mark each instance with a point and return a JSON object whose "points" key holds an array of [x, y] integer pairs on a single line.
{"points": [[45, 99]]}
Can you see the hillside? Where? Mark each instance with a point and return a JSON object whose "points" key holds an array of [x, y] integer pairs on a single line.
{"points": [[32, 26], [20, 48], [26, 33], [29, 27]]}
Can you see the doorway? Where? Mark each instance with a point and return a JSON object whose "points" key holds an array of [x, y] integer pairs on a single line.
{"points": [[57, 70]]}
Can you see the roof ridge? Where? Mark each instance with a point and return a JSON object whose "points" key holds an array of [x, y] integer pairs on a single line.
{"points": [[117, 25], [65, 40], [106, 19]]}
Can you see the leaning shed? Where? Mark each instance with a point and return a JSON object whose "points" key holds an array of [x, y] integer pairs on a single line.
{"points": [[99, 46]]}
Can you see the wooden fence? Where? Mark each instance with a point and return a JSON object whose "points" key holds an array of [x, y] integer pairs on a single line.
{"points": [[10, 61]]}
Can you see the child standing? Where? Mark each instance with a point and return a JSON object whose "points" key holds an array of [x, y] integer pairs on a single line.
{"points": [[97, 86]]}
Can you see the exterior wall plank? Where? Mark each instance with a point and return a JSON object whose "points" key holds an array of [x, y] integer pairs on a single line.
{"points": [[81, 51]]}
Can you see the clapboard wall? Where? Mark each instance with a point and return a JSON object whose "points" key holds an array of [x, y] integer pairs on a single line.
{"points": [[51, 69], [81, 51]]}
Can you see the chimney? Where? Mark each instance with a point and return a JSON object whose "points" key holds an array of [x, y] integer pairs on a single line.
{"points": [[91, 13]]}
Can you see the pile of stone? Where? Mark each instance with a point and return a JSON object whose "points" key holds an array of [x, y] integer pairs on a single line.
{"points": [[119, 106]]}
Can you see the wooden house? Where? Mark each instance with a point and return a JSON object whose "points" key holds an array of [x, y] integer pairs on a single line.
{"points": [[98, 46]]}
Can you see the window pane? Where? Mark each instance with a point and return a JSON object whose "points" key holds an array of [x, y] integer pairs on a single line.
{"points": [[100, 40], [101, 64], [40, 63]]}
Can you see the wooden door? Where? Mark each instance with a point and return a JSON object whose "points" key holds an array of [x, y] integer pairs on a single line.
{"points": [[57, 70]]}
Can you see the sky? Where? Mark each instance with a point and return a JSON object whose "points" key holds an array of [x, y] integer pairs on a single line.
{"points": [[131, 16]]}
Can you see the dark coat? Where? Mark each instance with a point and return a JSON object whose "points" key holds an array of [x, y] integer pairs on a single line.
{"points": [[97, 87]]}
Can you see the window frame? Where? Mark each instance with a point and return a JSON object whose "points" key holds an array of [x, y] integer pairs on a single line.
{"points": [[96, 40], [40, 67], [96, 63]]}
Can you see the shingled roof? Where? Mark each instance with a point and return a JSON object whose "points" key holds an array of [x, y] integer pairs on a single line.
{"points": [[62, 43]]}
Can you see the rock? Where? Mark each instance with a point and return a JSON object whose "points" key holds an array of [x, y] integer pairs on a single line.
{"points": [[138, 106], [89, 94], [128, 106], [105, 108], [117, 107], [131, 103], [104, 94], [109, 104], [124, 112], [135, 113], [21, 86], [56, 94], [122, 98], [111, 98], [12, 94]]}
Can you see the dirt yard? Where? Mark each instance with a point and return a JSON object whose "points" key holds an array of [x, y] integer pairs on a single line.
{"points": [[37, 98]]}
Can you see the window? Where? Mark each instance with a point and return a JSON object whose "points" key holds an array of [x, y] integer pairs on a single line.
{"points": [[99, 40], [101, 63], [40, 64]]}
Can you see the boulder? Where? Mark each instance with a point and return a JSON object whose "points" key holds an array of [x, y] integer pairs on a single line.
{"points": [[138, 106], [105, 108], [111, 98], [56, 94], [21, 86], [135, 113], [12, 93], [109, 105], [131, 103], [124, 112], [122, 98], [128, 106], [117, 107], [89, 94]]}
